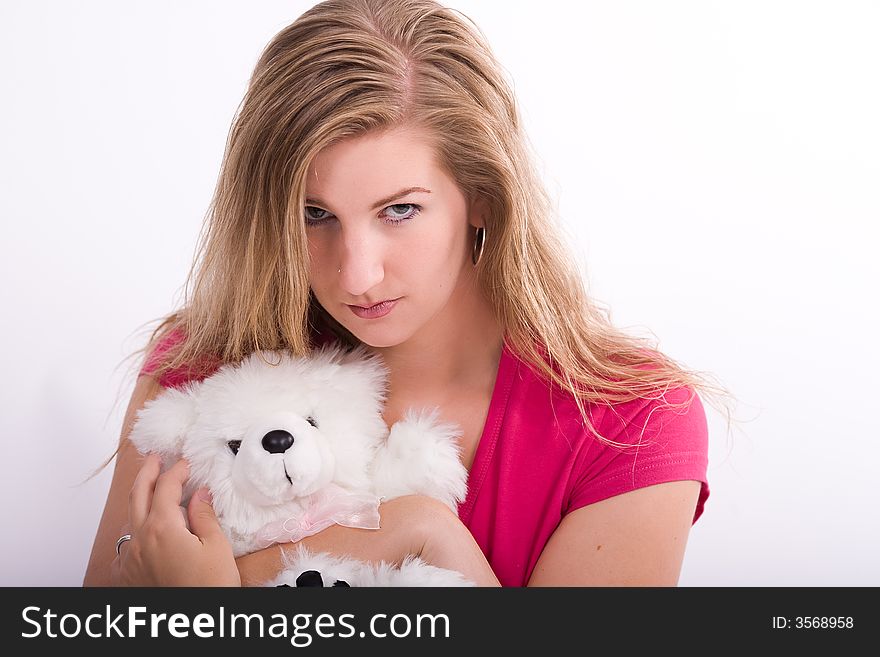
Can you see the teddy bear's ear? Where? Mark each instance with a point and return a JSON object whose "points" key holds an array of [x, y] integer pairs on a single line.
{"points": [[164, 421]]}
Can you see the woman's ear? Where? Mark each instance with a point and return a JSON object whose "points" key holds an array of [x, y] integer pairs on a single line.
{"points": [[478, 211], [162, 424]]}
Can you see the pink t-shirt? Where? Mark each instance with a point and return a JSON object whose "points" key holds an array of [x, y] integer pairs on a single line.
{"points": [[535, 461]]}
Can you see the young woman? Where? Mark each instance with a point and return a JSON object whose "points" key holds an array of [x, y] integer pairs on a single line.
{"points": [[377, 189]]}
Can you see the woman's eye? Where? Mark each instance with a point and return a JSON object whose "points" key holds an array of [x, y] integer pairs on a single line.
{"points": [[311, 219], [311, 421], [396, 218], [234, 445]]}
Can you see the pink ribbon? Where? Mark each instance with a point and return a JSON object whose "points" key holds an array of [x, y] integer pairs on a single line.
{"points": [[331, 506]]}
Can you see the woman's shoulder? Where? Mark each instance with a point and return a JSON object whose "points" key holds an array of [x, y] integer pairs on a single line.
{"points": [[674, 412], [671, 420], [161, 352]]}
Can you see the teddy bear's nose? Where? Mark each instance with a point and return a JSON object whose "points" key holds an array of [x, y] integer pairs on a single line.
{"points": [[277, 441]]}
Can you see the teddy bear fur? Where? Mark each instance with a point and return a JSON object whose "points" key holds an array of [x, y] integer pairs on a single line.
{"points": [[274, 433], [304, 568]]}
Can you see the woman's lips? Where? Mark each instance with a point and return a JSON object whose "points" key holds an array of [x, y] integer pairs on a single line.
{"points": [[374, 312]]}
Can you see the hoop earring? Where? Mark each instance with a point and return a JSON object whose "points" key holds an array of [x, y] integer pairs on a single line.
{"points": [[479, 242]]}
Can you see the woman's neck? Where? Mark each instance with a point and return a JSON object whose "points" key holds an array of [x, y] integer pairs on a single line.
{"points": [[459, 348]]}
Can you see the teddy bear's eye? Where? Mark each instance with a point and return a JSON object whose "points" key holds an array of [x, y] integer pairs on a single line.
{"points": [[234, 445], [311, 421]]}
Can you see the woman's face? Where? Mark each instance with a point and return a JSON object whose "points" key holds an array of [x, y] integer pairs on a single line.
{"points": [[379, 208]]}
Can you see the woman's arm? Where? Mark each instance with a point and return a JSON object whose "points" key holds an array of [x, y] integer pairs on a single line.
{"points": [[633, 539], [146, 504], [412, 524], [115, 516]]}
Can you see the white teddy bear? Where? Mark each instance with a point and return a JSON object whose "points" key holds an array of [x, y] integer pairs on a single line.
{"points": [[289, 446]]}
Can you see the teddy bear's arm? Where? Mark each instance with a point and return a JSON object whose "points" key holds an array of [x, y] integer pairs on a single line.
{"points": [[421, 456]]}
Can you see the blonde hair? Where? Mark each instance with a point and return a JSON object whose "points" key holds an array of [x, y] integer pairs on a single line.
{"points": [[348, 67]]}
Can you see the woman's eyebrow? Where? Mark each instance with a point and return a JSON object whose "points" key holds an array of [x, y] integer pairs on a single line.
{"points": [[384, 201]]}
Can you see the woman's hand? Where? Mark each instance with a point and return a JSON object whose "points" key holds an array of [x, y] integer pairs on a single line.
{"points": [[410, 525], [162, 551]]}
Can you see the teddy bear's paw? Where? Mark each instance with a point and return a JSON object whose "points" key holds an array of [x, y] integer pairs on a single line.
{"points": [[313, 578], [303, 568], [421, 455], [422, 426]]}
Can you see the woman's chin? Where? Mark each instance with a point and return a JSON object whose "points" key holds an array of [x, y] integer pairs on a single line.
{"points": [[378, 337], [377, 342]]}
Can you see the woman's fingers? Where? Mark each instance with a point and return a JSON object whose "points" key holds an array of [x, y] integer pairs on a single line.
{"points": [[163, 551], [169, 490], [141, 495], [202, 519]]}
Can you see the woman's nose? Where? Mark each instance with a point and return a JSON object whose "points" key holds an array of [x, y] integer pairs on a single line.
{"points": [[360, 265]]}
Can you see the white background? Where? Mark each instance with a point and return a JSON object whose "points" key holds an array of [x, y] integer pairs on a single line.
{"points": [[716, 164]]}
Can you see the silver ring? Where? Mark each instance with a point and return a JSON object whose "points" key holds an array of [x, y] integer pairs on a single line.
{"points": [[122, 539]]}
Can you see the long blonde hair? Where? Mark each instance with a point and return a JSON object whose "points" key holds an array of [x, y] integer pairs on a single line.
{"points": [[348, 67]]}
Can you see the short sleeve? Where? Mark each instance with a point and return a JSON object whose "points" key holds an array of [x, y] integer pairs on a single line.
{"points": [[666, 444], [174, 378], [157, 355]]}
